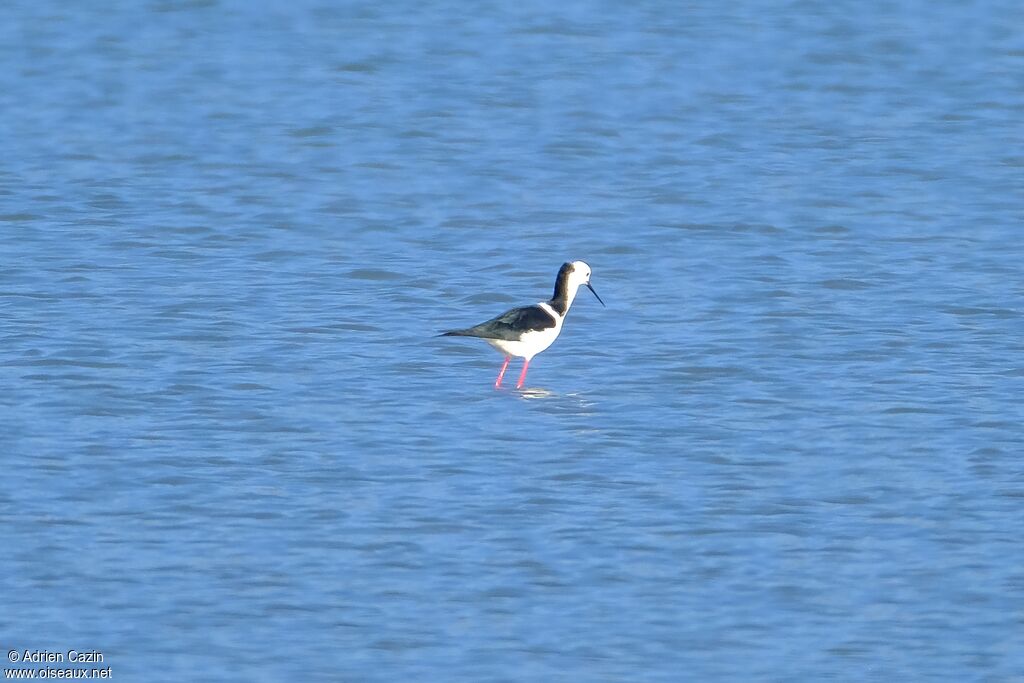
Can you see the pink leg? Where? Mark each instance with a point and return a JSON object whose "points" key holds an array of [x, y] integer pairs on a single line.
{"points": [[497, 382], [522, 375]]}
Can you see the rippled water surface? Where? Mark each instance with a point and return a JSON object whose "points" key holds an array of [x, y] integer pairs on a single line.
{"points": [[789, 448]]}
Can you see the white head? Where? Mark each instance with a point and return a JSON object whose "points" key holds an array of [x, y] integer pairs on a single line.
{"points": [[571, 276], [579, 274]]}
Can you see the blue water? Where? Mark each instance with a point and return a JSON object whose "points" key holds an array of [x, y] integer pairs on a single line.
{"points": [[789, 448]]}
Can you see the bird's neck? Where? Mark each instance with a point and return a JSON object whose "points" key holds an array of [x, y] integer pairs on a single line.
{"points": [[563, 297]]}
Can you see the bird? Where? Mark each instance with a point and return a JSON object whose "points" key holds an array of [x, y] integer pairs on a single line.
{"points": [[526, 331]]}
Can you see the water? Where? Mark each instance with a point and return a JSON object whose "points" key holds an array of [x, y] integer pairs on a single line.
{"points": [[789, 449]]}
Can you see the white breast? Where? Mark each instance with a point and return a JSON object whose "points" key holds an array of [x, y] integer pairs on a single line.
{"points": [[532, 342]]}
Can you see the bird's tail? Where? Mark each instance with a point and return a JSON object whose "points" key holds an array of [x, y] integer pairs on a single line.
{"points": [[459, 333]]}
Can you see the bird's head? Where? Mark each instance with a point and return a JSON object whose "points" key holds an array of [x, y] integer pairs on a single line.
{"points": [[579, 274]]}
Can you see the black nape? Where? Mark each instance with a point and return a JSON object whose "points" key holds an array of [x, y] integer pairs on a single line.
{"points": [[560, 299]]}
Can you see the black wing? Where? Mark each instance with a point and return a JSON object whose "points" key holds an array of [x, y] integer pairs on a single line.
{"points": [[510, 325]]}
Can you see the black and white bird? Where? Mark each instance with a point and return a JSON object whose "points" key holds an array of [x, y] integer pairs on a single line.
{"points": [[525, 332]]}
